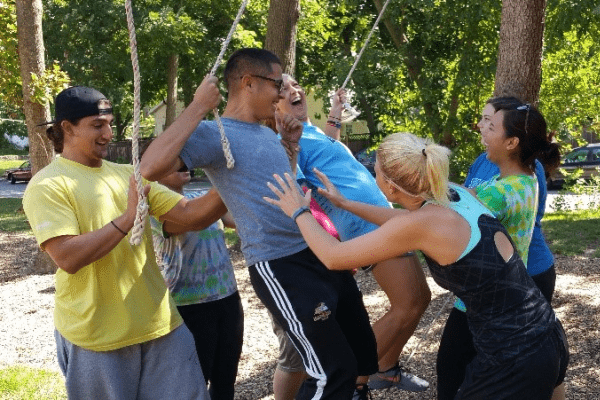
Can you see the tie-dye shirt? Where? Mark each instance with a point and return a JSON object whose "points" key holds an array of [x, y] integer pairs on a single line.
{"points": [[513, 200]]}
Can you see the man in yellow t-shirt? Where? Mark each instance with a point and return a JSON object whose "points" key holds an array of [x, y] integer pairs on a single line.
{"points": [[118, 332]]}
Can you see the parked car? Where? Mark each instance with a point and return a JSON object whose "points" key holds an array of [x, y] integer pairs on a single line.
{"points": [[587, 158], [22, 173], [367, 158]]}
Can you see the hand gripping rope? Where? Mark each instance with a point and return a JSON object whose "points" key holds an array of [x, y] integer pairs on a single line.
{"points": [[224, 141], [142, 207], [347, 106]]}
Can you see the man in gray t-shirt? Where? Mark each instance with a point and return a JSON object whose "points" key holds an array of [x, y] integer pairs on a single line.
{"points": [[320, 310]]}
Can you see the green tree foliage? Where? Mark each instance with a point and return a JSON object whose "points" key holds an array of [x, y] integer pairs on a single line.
{"points": [[11, 93], [428, 69]]}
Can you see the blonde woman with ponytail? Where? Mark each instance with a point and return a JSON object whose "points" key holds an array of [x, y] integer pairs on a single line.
{"points": [[468, 252]]}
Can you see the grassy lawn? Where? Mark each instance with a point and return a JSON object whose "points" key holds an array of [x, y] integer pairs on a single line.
{"points": [[571, 233], [12, 217], [7, 164], [24, 383]]}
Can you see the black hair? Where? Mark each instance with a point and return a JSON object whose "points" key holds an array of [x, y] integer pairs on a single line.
{"points": [[248, 60], [525, 122]]}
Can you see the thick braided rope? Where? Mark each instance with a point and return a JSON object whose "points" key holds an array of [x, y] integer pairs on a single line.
{"points": [[224, 141], [365, 45], [142, 206]]}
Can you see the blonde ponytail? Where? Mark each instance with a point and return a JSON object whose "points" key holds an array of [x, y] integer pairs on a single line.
{"points": [[417, 165]]}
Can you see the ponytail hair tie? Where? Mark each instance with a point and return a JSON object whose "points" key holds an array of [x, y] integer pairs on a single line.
{"points": [[424, 154]]}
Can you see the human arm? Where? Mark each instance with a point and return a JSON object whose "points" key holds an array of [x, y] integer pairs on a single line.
{"points": [[162, 156], [193, 215], [334, 119], [290, 130], [374, 214], [73, 252], [228, 220], [399, 235]]}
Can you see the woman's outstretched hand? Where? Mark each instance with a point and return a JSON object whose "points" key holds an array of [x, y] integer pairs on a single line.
{"points": [[289, 197], [330, 191]]}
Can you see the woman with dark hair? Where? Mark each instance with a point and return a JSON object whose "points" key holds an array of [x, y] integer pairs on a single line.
{"points": [[521, 348], [510, 193]]}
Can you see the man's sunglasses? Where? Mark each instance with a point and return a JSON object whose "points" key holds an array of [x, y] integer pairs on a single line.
{"points": [[278, 82]]}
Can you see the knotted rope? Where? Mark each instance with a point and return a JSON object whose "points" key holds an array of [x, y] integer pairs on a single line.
{"points": [[142, 205], [224, 140]]}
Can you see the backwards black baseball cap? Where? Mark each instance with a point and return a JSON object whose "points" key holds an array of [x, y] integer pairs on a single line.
{"points": [[78, 102]]}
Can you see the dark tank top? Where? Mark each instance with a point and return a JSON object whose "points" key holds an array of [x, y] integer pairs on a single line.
{"points": [[507, 313]]}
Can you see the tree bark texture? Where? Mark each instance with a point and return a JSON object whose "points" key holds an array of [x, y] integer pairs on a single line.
{"points": [[519, 68], [281, 32], [171, 90], [31, 59]]}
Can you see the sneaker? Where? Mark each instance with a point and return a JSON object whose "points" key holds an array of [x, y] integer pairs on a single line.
{"points": [[398, 378], [362, 393]]}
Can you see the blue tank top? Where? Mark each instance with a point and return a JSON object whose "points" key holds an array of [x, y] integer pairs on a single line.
{"points": [[506, 312]]}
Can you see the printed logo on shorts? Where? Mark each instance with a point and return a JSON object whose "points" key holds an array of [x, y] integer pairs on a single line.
{"points": [[321, 312]]}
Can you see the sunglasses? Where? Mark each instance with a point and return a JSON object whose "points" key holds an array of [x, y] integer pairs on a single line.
{"points": [[278, 82]]}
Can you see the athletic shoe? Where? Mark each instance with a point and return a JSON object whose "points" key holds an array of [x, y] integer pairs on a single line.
{"points": [[364, 393], [398, 378]]}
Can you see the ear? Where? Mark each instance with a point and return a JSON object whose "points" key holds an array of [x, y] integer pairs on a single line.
{"points": [[67, 127], [512, 143], [246, 81]]}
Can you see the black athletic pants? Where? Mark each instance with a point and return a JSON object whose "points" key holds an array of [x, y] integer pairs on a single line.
{"points": [[324, 316]]}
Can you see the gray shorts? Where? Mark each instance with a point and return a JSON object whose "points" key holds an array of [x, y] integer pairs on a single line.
{"points": [[163, 368], [289, 359]]}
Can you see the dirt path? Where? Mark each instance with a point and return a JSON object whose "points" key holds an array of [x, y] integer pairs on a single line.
{"points": [[26, 330]]}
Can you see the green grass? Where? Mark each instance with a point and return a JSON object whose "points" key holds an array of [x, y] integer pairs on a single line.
{"points": [[25, 383], [571, 233], [9, 151], [7, 164], [12, 217]]}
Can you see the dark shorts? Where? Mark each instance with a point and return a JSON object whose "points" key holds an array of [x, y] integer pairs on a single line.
{"points": [[529, 378], [323, 315]]}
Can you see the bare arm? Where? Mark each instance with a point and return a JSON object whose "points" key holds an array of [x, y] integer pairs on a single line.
{"points": [[195, 214], [393, 239], [335, 114], [162, 156], [228, 220], [73, 252], [290, 130], [374, 214], [436, 231]]}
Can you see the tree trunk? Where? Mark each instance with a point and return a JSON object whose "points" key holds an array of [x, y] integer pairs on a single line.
{"points": [[31, 58], [171, 90], [281, 32], [519, 69]]}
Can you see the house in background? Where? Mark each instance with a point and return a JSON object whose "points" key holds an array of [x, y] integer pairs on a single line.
{"points": [[159, 112]]}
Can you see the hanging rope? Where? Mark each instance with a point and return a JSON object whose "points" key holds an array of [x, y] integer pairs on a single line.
{"points": [[347, 106], [360, 53], [142, 206], [224, 141]]}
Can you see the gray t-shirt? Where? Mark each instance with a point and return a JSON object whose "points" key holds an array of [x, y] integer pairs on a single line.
{"points": [[265, 231]]}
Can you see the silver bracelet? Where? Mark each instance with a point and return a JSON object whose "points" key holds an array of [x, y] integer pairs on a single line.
{"points": [[299, 211]]}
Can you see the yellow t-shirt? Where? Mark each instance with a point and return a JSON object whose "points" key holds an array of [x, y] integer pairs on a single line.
{"points": [[122, 298]]}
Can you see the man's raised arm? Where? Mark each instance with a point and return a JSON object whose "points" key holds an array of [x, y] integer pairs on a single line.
{"points": [[162, 156]]}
